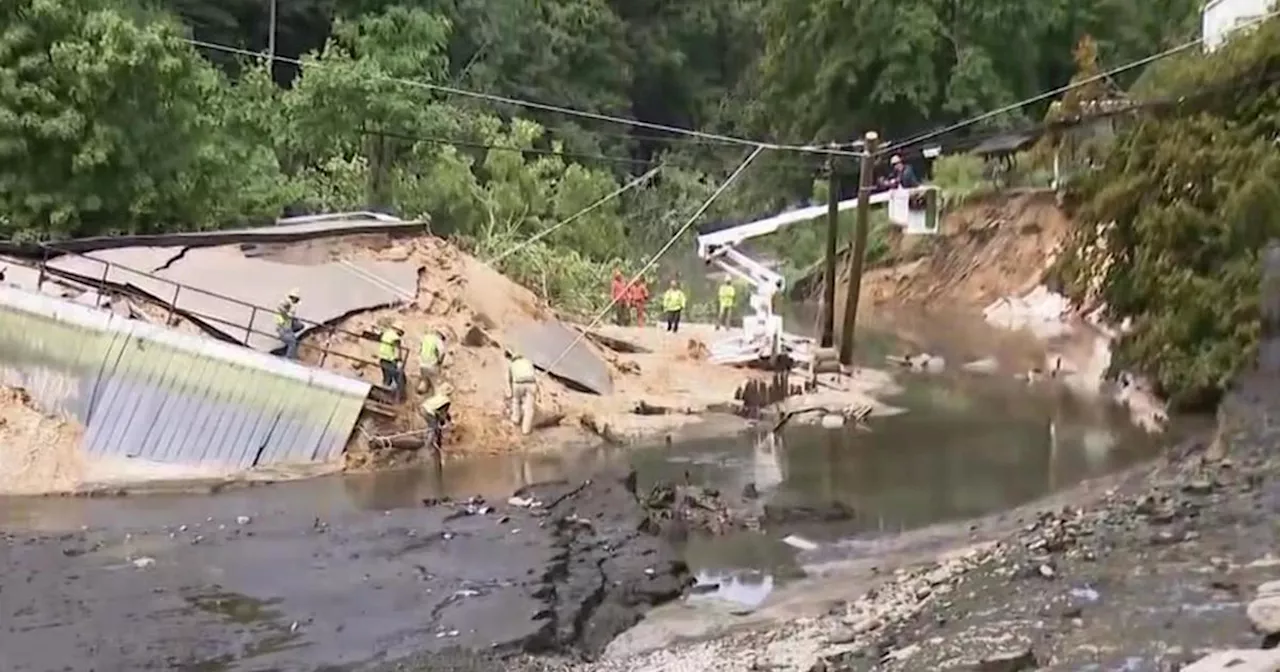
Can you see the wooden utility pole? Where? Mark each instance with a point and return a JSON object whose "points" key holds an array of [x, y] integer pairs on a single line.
{"points": [[271, 40], [859, 254], [833, 225]]}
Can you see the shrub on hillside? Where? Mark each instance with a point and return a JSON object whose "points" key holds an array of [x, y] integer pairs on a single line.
{"points": [[1175, 220]]}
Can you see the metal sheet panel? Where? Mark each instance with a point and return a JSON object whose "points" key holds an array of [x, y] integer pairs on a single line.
{"points": [[148, 392], [544, 342]]}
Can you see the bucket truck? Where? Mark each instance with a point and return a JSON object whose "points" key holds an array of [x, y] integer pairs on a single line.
{"points": [[762, 336]]}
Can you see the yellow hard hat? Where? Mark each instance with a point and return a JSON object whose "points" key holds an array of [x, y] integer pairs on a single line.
{"points": [[295, 293]]}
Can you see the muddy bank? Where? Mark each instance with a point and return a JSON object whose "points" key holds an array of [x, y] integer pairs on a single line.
{"points": [[560, 568], [1153, 576]]}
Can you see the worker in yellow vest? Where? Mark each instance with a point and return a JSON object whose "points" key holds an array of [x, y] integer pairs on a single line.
{"points": [[287, 325], [726, 294], [389, 357], [435, 410], [522, 388], [673, 302], [430, 359]]}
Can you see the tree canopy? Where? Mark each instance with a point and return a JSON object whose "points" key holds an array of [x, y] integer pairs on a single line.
{"points": [[112, 121]]}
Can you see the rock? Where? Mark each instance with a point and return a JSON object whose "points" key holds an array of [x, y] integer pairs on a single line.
{"points": [[1264, 611], [1010, 661], [1198, 487], [832, 421], [243, 520], [1047, 572], [143, 563], [984, 365], [1239, 660], [749, 491]]}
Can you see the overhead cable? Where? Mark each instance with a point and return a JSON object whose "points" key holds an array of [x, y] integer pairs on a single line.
{"points": [[658, 255], [577, 215], [570, 112], [1063, 89]]}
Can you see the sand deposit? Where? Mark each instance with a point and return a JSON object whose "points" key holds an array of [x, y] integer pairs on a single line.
{"points": [[38, 453]]}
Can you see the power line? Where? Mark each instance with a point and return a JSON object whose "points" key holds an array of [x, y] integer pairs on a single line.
{"points": [[622, 160], [508, 148], [1063, 89], [658, 255], [570, 112], [577, 215]]}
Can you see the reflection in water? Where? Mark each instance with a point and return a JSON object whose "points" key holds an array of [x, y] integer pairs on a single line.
{"points": [[747, 588], [968, 446]]}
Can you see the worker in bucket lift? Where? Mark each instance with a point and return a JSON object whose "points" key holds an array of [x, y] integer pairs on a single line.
{"points": [[287, 324], [673, 303], [903, 176], [435, 410], [522, 389], [430, 360], [618, 292], [726, 295], [389, 357]]}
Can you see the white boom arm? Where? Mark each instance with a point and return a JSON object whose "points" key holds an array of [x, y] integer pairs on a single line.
{"points": [[762, 334]]}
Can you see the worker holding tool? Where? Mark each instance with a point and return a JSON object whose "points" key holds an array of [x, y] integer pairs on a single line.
{"points": [[435, 410], [287, 324], [726, 294], [522, 388], [389, 357], [673, 302], [618, 292], [430, 359], [639, 296]]}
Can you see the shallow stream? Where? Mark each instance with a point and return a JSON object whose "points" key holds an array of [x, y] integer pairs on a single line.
{"points": [[969, 444]]}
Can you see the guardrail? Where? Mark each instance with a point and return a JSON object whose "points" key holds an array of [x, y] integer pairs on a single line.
{"points": [[102, 285]]}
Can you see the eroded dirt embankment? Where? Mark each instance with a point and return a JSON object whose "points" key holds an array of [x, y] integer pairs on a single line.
{"points": [[562, 568]]}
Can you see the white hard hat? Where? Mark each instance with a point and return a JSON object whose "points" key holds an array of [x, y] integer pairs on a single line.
{"points": [[896, 159]]}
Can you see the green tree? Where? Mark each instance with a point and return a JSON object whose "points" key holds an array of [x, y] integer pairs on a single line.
{"points": [[108, 123]]}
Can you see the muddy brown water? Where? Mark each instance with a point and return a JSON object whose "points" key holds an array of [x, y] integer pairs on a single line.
{"points": [[968, 445]]}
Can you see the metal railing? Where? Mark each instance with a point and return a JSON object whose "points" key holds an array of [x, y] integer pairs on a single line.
{"points": [[103, 284]]}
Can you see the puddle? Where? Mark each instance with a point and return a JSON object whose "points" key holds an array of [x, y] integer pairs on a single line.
{"points": [[746, 589]]}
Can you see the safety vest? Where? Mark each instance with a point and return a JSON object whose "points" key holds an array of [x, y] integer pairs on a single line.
{"points": [[284, 314], [727, 293], [434, 403], [431, 347], [672, 300], [522, 371], [389, 346]]}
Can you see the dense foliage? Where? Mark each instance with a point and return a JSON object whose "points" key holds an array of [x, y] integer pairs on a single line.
{"points": [[112, 121], [1183, 206]]}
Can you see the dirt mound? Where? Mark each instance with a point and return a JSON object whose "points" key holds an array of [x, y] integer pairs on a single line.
{"points": [[38, 454], [996, 246]]}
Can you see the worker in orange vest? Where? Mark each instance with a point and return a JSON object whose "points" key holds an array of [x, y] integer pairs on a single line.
{"points": [[618, 291], [639, 299]]}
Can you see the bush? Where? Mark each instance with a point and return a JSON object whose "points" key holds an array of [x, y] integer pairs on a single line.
{"points": [[1177, 216]]}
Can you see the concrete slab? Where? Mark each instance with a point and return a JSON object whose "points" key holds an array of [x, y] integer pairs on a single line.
{"points": [[236, 295], [544, 343], [329, 291]]}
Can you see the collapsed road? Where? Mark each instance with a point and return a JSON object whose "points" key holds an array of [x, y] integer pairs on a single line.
{"points": [[560, 568]]}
